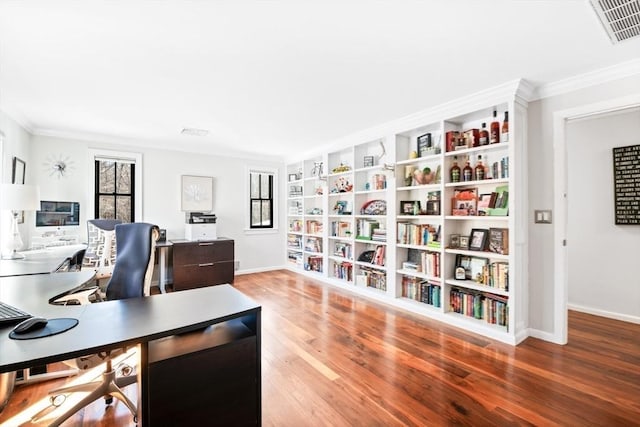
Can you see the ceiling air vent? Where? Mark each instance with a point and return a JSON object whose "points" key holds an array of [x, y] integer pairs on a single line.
{"points": [[620, 18]]}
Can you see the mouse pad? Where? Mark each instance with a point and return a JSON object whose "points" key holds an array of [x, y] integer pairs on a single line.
{"points": [[53, 327]]}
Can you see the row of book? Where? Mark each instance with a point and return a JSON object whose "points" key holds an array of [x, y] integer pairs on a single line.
{"points": [[294, 241], [295, 257], [418, 234], [313, 244], [343, 270], [344, 250], [379, 235], [295, 226], [496, 275], [479, 305], [379, 255], [422, 291], [314, 226], [295, 190], [425, 262], [314, 263], [500, 169], [365, 228], [372, 278], [340, 229]]}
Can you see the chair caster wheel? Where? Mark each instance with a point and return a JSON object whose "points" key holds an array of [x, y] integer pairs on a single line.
{"points": [[57, 400], [108, 400]]}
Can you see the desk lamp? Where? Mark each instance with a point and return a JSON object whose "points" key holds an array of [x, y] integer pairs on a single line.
{"points": [[16, 198]]}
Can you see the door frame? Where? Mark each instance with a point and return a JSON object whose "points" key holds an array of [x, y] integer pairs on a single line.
{"points": [[560, 165]]}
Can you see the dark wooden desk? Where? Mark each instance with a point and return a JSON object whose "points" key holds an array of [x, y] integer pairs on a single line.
{"points": [[151, 323], [41, 261]]}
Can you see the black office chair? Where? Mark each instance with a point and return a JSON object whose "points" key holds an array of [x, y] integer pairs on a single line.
{"points": [[131, 278]]}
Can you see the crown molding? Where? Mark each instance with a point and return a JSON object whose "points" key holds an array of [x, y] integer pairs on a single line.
{"points": [[20, 119], [592, 78], [165, 145]]}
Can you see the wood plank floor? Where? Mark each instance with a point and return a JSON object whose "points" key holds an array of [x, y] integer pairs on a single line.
{"points": [[332, 358]]}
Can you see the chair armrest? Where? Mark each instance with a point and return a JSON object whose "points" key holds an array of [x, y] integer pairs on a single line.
{"points": [[81, 296]]}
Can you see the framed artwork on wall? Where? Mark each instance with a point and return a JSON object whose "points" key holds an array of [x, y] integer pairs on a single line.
{"points": [[17, 177], [197, 193], [19, 167]]}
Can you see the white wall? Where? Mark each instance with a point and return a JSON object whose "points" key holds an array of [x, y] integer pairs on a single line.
{"points": [[542, 246], [602, 256], [15, 144], [161, 192]]}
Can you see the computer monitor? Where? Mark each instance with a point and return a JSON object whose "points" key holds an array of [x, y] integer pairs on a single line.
{"points": [[58, 214]]}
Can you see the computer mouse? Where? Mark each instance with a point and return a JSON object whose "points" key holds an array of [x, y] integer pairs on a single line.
{"points": [[30, 325]]}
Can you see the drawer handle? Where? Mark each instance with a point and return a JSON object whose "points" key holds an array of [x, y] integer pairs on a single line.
{"points": [[207, 264], [205, 244]]}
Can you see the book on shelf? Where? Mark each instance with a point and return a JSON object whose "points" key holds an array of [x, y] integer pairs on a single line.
{"points": [[313, 244], [340, 229], [418, 234], [379, 255], [365, 228], [379, 235], [314, 263], [343, 250], [499, 240], [314, 226], [424, 291], [500, 169], [343, 270]]}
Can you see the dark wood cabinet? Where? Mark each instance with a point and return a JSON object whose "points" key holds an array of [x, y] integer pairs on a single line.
{"points": [[202, 263]]}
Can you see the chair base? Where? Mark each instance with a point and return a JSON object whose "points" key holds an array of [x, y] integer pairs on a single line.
{"points": [[109, 386]]}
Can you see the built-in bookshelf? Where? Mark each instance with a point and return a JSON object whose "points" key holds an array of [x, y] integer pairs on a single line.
{"points": [[389, 221]]}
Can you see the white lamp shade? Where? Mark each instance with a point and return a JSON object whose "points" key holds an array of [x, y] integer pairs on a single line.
{"points": [[17, 197]]}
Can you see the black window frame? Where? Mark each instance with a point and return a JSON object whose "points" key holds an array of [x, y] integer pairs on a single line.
{"points": [[115, 194], [261, 200]]}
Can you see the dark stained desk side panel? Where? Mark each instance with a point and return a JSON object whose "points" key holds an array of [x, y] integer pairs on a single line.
{"points": [[215, 386]]}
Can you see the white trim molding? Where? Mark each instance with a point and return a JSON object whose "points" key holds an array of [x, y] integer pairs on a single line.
{"points": [[276, 191], [592, 78]]}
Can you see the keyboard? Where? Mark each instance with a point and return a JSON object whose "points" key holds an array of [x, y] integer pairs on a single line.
{"points": [[10, 314]]}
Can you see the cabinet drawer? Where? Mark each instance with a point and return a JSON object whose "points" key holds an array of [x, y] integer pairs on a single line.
{"points": [[204, 274], [203, 252]]}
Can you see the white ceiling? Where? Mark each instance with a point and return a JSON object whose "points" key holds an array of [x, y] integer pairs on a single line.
{"points": [[272, 77]]}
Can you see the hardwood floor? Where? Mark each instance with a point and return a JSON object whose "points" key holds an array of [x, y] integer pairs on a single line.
{"points": [[332, 358]]}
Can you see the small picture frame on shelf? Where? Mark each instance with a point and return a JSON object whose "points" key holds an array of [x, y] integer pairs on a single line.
{"points": [[464, 242], [425, 146], [478, 239], [464, 262], [293, 177], [368, 161], [454, 241], [407, 207]]}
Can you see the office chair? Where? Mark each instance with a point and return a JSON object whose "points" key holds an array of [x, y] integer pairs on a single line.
{"points": [[131, 278]]}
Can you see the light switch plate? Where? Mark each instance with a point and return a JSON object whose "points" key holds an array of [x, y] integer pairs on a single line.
{"points": [[542, 216]]}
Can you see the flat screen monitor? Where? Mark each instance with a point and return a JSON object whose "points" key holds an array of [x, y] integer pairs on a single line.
{"points": [[58, 214]]}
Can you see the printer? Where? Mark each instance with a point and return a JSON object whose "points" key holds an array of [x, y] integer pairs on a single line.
{"points": [[200, 226]]}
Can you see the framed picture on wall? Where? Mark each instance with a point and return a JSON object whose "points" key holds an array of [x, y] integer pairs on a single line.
{"points": [[19, 167], [197, 193], [17, 177]]}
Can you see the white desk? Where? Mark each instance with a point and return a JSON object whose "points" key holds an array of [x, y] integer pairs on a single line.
{"points": [[41, 261]]}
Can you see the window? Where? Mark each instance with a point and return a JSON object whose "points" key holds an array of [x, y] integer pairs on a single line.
{"points": [[261, 186], [115, 194]]}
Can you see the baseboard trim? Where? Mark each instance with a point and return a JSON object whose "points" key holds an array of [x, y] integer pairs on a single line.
{"points": [[544, 335], [259, 270], [604, 313]]}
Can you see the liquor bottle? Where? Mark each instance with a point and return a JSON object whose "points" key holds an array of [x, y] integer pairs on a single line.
{"points": [[504, 136], [494, 133], [479, 169], [484, 135], [455, 170], [467, 172]]}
